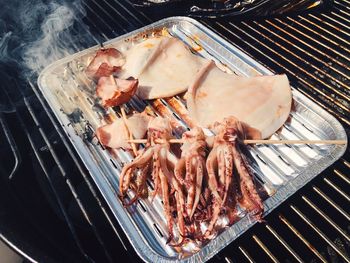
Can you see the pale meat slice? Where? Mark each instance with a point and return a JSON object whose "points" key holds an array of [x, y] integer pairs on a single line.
{"points": [[106, 62], [164, 67], [114, 91], [115, 135], [140, 56], [263, 102]]}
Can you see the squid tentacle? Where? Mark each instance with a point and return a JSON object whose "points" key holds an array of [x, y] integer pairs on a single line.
{"points": [[250, 198], [136, 163], [191, 188], [155, 173], [165, 191], [199, 177], [140, 183], [228, 157], [221, 164], [213, 184], [178, 170], [215, 217]]}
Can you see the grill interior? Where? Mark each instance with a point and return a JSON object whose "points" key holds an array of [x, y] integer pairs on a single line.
{"points": [[313, 225]]}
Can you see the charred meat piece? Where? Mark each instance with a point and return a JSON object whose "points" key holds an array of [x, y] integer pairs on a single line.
{"points": [[105, 63], [114, 91]]}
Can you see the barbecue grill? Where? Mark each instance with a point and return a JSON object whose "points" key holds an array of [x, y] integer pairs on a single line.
{"points": [[54, 213]]}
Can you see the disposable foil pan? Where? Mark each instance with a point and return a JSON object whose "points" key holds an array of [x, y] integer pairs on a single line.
{"points": [[281, 169]]}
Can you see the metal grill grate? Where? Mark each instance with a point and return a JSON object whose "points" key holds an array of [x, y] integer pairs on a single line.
{"points": [[313, 50]]}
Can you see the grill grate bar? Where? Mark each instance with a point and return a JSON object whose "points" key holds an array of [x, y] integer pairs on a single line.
{"points": [[347, 163], [135, 21], [284, 243], [337, 3], [13, 146], [132, 14], [335, 21], [319, 232], [339, 16], [121, 28], [327, 218], [326, 39], [88, 31], [342, 176], [298, 67], [330, 183], [99, 18], [302, 238], [331, 202], [292, 54], [312, 48], [119, 14], [246, 254], [266, 250], [324, 22]]}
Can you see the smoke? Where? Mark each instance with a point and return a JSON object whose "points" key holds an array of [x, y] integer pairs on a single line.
{"points": [[47, 48], [34, 33]]}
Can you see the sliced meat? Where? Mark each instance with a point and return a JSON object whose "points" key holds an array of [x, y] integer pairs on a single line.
{"points": [[115, 135], [164, 67], [114, 91], [263, 102], [105, 63]]}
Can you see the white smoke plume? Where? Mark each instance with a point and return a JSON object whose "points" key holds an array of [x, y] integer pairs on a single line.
{"points": [[47, 48], [34, 33]]}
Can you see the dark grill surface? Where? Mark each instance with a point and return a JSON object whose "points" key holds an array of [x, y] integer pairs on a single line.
{"points": [[54, 213]]}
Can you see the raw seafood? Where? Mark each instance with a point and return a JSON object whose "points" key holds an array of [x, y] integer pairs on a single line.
{"points": [[115, 134], [115, 91], [158, 157], [192, 165], [195, 190], [106, 62], [262, 102], [223, 158], [164, 67]]}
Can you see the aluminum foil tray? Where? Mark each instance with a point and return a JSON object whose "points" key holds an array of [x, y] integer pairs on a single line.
{"points": [[281, 169]]}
